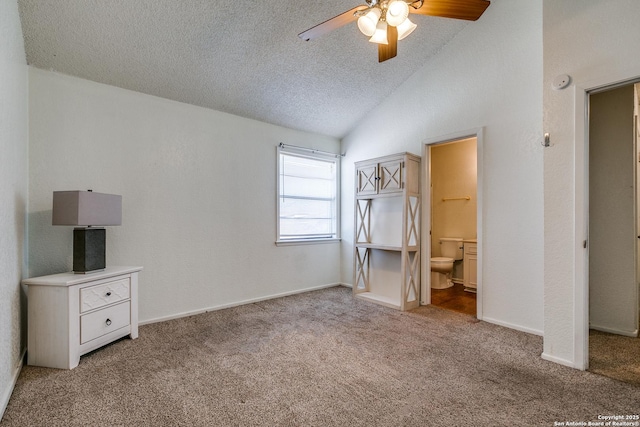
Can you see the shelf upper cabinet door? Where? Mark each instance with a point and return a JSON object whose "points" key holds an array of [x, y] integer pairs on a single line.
{"points": [[367, 179], [390, 176]]}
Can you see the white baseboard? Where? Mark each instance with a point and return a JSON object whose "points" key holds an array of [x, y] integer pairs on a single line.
{"points": [[6, 394], [346, 285], [236, 304], [513, 326], [633, 334], [558, 360]]}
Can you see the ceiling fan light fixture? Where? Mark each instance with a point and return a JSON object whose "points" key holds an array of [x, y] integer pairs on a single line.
{"points": [[380, 36], [386, 21], [367, 22], [406, 28], [397, 12]]}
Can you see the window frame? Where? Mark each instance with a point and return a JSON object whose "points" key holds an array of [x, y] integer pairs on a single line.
{"points": [[308, 153]]}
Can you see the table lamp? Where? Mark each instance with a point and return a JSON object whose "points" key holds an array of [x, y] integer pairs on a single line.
{"points": [[85, 210]]}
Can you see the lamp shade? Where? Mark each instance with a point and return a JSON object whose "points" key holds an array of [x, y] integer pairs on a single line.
{"points": [[85, 208]]}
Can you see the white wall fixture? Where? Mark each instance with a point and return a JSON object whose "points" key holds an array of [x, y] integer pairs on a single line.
{"points": [[561, 82]]}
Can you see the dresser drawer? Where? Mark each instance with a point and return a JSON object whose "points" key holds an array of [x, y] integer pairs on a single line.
{"points": [[107, 293], [101, 322]]}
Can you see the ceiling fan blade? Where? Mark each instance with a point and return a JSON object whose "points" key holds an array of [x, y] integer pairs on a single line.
{"points": [[388, 51], [331, 24], [470, 10]]}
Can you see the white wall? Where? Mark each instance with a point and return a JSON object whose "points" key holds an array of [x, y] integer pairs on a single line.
{"points": [[489, 76], [198, 191], [613, 303], [13, 195], [589, 40]]}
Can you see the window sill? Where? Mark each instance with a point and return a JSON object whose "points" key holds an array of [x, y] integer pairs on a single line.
{"points": [[294, 242]]}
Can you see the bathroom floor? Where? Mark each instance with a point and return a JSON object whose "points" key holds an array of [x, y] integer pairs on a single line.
{"points": [[455, 298]]}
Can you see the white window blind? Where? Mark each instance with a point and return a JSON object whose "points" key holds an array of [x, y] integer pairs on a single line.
{"points": [[307, 195]]}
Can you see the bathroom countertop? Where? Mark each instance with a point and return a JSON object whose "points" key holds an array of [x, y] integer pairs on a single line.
{"points": [[470, 241]]}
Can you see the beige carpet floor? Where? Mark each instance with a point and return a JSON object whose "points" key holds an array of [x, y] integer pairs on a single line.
{"points": [[615, 356], [318, 359]]}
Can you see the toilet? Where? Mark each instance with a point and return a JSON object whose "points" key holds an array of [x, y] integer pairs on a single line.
{"points": [[451, 249]]}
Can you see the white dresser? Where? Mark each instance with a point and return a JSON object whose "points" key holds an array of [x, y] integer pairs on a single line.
{"points": [[72, 314]]}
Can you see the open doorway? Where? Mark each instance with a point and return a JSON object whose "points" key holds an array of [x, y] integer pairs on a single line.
{"points": [[614, 232], [451, 243]]}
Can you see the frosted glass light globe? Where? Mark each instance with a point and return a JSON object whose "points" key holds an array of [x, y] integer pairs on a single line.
{"points": [[397, 12], [380, 36], [367, 22], [405, 28]]}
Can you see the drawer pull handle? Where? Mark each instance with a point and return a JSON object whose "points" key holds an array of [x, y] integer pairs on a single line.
{"points": [[108, 322], [109, 293]]}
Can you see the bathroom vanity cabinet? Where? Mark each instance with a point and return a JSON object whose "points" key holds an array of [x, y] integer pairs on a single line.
{"points": [[470, 265], [387, 231]]}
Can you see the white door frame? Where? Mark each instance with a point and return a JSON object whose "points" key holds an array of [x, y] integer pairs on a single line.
{"points": [[581, 209], [425, 226]]}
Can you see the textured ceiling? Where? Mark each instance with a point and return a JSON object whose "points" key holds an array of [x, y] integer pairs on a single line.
{"points": [[238, 56]]}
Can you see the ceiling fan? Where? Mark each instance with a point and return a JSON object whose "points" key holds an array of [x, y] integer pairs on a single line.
{"points": [[387, 21]]}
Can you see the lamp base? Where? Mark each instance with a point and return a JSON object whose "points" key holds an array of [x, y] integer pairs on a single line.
{"points": [[89, 250]]}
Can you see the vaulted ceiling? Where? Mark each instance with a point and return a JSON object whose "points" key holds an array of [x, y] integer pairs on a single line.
{"points": [[238, 56]]}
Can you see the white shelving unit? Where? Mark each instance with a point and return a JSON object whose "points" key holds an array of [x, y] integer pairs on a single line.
{"points": [[387, 233]]}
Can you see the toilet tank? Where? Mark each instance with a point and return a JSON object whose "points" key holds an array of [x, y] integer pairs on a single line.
{"points": [[451, 247]]}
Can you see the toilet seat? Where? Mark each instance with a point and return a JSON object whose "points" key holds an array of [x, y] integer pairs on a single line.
{"points": [[441, 259]]}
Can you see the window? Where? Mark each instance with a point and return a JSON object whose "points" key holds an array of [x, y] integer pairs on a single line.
{"points": [[308, 202]]}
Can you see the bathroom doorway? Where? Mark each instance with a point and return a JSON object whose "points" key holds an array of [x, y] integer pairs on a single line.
{"points": [[451, 242], [614, 232]]}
